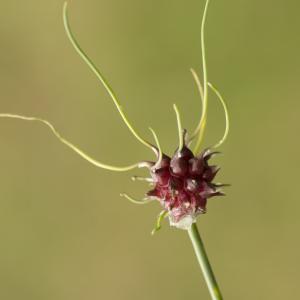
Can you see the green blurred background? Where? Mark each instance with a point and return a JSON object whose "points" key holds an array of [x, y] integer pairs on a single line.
{"points": [[65, 232]]}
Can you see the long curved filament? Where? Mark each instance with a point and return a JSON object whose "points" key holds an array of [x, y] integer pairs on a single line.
{"points": [[73, 147], [160, 217], [146, 179], [135, 201], [99, 75], [160, 154], [226, 115], [200, 89], [199, 132], [181, 132], [198, 83]]}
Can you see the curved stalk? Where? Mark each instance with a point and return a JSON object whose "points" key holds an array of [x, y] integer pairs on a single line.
{"points": [[201, 93], [226, 115], [75, 148], [181, 132], [102, 79], [202, 258], [160, 154]]}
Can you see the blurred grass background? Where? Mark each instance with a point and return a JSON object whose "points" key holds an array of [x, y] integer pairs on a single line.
{"points": [[65, 232]]}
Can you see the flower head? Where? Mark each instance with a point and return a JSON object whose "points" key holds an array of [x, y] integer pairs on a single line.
{"points": [[182, 185]]}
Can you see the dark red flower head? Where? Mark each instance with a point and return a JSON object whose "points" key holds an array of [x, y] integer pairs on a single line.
{"points": [[182, 185]]}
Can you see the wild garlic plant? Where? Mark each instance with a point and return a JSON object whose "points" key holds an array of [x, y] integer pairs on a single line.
{"points": [[181, 183]]}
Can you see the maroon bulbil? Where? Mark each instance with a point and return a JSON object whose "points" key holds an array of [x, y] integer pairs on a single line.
{"points": [[183, 183]]}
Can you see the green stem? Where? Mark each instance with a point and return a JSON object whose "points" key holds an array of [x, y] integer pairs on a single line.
{"points": [[204, 263]]}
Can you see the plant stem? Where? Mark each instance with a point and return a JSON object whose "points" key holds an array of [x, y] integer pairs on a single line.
{"points": [[204, 263]]}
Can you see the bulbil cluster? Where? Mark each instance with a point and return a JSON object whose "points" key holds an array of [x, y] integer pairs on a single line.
{"points": [[183, 183]]}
